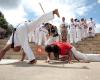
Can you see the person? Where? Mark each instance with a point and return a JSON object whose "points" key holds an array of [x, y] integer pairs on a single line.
{"points": [[90, 32], [20, 37], [91, 25], [52, 33], [59, 49], [64, 30], [78, 30], [73, 38], [41, 35], [63, 48]]}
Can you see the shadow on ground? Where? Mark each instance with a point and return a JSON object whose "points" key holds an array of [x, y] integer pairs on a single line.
{"points": [[60, 65]]}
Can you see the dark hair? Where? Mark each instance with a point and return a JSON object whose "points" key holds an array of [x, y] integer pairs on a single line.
{"points": [[91, 19], [46, 24], [48, 48], [53, 48], [75, 19], [82, 19]]}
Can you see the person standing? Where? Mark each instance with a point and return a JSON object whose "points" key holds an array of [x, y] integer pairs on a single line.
{"points": [[92, 26], [73, 35], [64, 30]]}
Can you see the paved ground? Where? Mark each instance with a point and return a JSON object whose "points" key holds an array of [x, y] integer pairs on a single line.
{"points": [[14, 70]]}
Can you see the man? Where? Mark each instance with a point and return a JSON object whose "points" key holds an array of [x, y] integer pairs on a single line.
{"points": [[41, 34], [64, 48], [59, 49], [21, 35], [92, 26], [64, 30], [52, 33], [73, 33], [84, 28], [78, 30]]}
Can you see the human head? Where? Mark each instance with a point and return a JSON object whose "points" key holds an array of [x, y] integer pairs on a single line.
{"points": [[75, 20], [72, 20], [82, 19], [53, 49], [91, 19], [47, 25], [63, 19]]}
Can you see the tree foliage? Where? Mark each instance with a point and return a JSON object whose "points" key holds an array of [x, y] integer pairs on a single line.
{"points": [[3, 22], [5, 25]]}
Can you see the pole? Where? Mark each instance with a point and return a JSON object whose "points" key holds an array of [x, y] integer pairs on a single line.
{"points": [[41, 7]]}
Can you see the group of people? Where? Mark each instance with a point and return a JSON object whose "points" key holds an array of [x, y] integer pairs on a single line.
{"points": [[77, 30], [20, 36], [47, 35], [72, 32]]}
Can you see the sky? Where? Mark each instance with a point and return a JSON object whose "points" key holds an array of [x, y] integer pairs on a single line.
{"points": [[17, 11]]}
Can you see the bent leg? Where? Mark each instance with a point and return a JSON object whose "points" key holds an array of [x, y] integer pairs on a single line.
{"points": [[79, 55], [93, 57], [23, 39]]}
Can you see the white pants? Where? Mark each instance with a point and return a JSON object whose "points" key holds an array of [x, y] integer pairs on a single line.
{"points": [[73, 36], [78, 34], [42, 37], [22, 34], [86, 57], [36, 35], [85, 33], [31, 37]]}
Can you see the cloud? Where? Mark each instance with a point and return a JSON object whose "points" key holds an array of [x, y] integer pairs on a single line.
{"points": [[84, 9], [13, 11], [67, 8], [16, 16], [97, 28], [98, 1], [9, 4]]}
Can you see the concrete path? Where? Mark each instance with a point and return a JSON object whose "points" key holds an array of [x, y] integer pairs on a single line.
{"points": [[15, 70]]}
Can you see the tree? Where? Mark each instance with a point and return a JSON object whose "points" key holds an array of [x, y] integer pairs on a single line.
{"points": [[4, 24]]}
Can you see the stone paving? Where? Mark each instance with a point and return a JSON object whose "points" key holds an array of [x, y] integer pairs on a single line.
{"points": [[14, 70]]}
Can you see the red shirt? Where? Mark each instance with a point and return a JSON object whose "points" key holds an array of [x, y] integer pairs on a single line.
{"points": [[65, 47]]}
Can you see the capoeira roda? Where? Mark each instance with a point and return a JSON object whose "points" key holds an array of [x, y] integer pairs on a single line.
{"points": [[21, 36]]}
